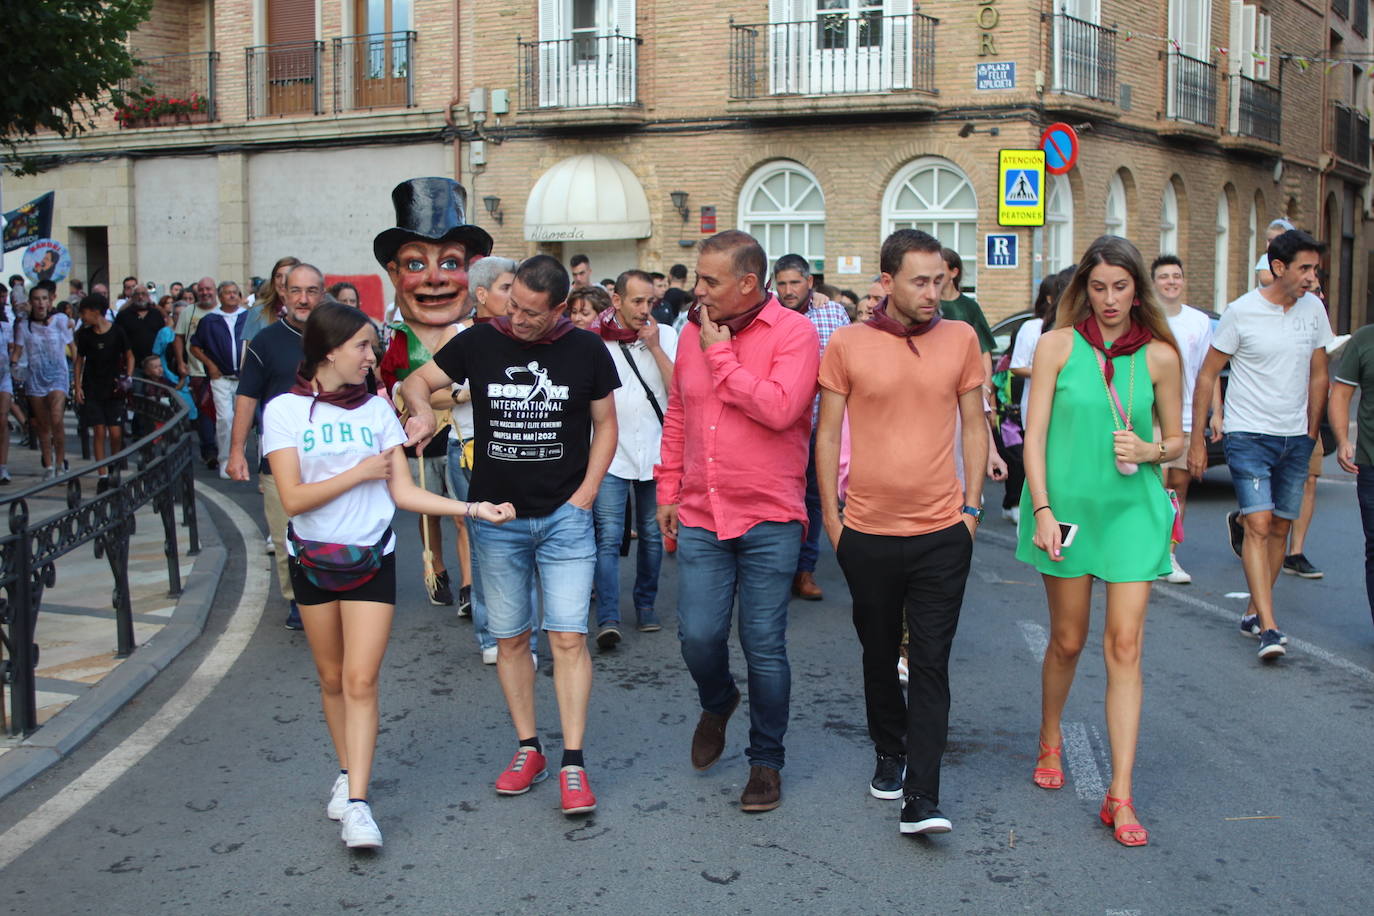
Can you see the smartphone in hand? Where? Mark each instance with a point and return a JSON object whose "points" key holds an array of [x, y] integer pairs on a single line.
{"points": [[1067, 530]]}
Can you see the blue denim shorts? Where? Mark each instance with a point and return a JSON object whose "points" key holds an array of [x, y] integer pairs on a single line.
{"points": [[1268, 472], [561, 546]]}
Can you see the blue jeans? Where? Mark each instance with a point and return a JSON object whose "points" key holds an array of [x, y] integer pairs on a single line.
{"points": [[557, 550], [811, 547], [1268, 472], [609, 513], [459, 479], [1364, 491], [758, 567]]}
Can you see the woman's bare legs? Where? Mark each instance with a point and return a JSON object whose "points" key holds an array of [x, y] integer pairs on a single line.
{"points": [[1127, 603], [1070, 601]]}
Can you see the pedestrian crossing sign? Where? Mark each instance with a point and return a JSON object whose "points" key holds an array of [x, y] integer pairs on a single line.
{"points": [[1021, 178]]}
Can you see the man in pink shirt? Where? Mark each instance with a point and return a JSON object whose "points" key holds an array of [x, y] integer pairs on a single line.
{"points": [[731, 489]]}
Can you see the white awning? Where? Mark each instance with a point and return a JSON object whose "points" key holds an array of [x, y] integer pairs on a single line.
{"points": [[590, 197]]}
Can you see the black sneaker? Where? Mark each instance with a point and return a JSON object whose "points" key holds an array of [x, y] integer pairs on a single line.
{"points": [[1297, 565], [1235, 531], [1271, 645], [920, 815], [465, 601], [442, 593], [608, 637], [887, 777]]}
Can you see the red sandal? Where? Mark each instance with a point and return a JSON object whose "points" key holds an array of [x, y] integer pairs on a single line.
{"points": [[1110, 806], [1049, 777]]}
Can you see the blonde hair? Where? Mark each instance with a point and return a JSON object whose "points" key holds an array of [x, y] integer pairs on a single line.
{"points": [[1117, 252]]}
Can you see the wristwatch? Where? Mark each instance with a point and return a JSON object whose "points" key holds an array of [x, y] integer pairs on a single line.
{"points": [[976, 512]]}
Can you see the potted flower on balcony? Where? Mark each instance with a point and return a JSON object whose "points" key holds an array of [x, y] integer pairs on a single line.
{"points": [[160, 110]]}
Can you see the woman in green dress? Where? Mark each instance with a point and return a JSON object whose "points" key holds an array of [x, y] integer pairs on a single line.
{"points": [[1108, 369]]}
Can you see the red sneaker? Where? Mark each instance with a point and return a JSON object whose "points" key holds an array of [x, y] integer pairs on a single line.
{"points": [[577, 794], [527, 767]]}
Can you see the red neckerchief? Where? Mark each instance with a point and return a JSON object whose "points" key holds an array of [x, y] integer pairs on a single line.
{"points": [[1135, 337], [609, 328], [736, 324], [347, 397], [560, 327], [881, 320]]}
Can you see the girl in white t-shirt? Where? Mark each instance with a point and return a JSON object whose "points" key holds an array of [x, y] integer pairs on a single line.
{"points": [[42, 341], [334, 450]]}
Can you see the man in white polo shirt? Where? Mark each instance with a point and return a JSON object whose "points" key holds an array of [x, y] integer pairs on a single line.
{"points": [[1274, 339], [643, 352]]}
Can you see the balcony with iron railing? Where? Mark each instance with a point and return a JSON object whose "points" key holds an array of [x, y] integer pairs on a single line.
{"points": [[1191, 95], [870, 61], [351, 73], [595, 76], [1084, 62], [172, 89], [373, 71], [1255, 114], [285, 78], [1350, 135]]}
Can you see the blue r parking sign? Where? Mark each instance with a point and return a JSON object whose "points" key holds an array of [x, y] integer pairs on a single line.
{"points": [[1001, 251]]}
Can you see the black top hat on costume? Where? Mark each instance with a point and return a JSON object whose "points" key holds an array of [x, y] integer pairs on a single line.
{"points": [[430, 210]]}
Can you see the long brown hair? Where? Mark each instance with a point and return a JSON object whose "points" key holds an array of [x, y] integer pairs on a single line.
{"points": [[1118, 252], [267, 295]]}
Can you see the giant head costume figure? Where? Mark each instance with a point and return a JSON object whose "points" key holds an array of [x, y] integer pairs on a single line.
{"points": [[426, 255]]}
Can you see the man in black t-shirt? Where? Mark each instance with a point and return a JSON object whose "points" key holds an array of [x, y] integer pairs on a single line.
{"points": [[545, 433], [103, 355], [140, 321], [268, 369]]}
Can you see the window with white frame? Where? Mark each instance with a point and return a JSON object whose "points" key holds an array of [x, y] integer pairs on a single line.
{"points": [[587, 53], [1059, 251], [1168, 220], [1116, 207], [782, 205], [935, 196], [839, 46], [1250, 41], [1252, 235], [1221, 261]]}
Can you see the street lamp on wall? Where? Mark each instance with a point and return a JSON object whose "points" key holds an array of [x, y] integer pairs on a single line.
{"points": [[493, 204], [680, 203]]}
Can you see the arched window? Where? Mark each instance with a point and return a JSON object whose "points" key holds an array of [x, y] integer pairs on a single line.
{"points": [[782, 206], [1059, 251], [1168, 220], [1252, 239], [1221, 281], [1116, 207], [935, 196]]}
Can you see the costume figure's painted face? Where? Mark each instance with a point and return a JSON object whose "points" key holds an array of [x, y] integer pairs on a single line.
{"points": [[431, 281]]}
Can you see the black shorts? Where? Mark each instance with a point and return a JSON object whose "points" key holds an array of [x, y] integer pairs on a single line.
{"points": [[380, 588], [96, 412]]}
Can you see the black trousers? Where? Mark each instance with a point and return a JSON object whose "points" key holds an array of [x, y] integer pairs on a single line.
{"points": [[925, 575]]}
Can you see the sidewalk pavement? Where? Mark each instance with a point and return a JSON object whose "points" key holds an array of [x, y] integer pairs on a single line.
{"points": [[80, 681]]}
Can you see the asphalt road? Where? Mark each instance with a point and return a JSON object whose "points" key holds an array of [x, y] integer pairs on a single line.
{"points": [[1252, 778]]}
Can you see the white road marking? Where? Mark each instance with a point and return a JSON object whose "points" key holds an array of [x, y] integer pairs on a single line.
{"points": [[1078, 749], [1244, 595], [50, 815], [1078, 754], [1301, 645], [1037, 638]]}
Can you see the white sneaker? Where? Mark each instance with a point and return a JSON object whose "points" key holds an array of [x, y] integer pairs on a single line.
{"points": [[902, 673], [1012, 515], [224, 471], [271, 547], [489, 656], [338, 798], [1176, 574], [49, 473], [359, 829], [4, 474]]}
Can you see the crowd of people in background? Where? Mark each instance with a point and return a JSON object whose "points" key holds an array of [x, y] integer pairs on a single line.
{"points": [[731, 419]]}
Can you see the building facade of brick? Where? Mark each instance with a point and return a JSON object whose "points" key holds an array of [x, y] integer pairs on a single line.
{"points": [[631, 129]]}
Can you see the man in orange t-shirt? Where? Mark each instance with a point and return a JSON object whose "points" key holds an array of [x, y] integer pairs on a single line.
{"points": [[907, 536]]}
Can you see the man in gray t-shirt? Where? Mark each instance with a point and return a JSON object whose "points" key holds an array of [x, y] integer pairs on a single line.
{"points": [[1275, 339]]}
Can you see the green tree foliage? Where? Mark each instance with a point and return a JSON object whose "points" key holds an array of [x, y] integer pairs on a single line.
{"points": [[61, 62]]}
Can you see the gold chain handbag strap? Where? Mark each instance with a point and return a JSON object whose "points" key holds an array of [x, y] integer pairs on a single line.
{"points": [[1113, 401]]}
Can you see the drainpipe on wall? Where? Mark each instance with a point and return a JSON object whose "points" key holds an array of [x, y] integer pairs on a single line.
{"points": [[457, 92]]}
